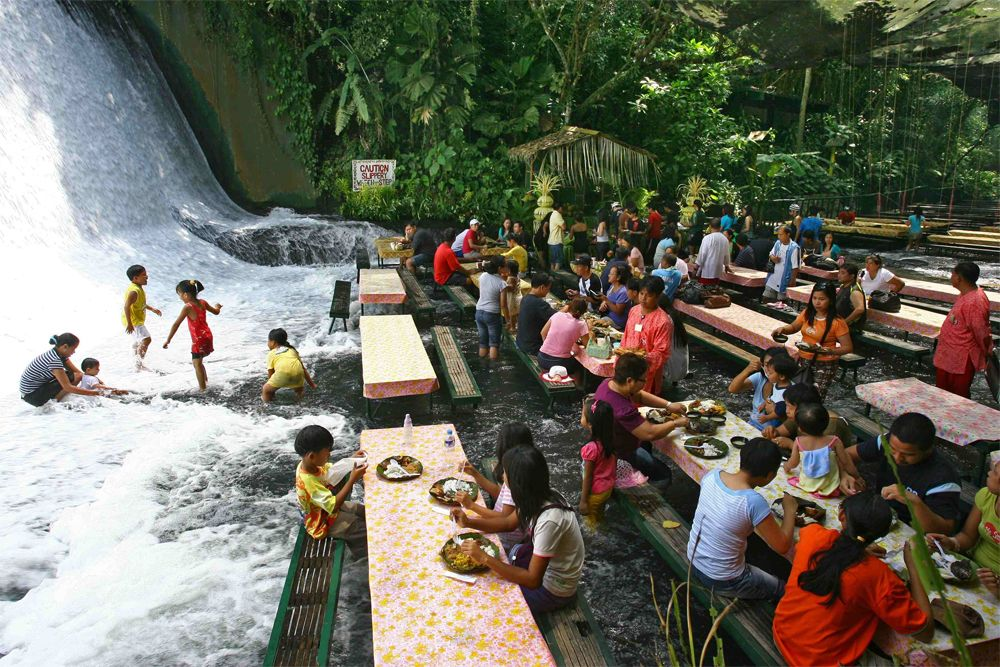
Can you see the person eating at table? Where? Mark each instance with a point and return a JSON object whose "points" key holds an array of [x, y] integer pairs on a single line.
{"points": [[876, 277], [615, 303], [838, 594], [830, 249], [980, 536], [800, 394], [823, 329], [548, 563], [744, 253], [729, 510], [758, 374], [930, 481], [650, 329], [588, 284], [534, 314], [633, 433], [965, 342], [516, 252], [668, 273], [851, 302], [560, 334], [447, 270], [424, 249], [634, 256], [624, 269], [473, 241]]}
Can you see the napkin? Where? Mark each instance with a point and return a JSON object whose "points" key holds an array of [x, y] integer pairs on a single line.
{"points": [[441, 510], [342, 468], [459, 577]]}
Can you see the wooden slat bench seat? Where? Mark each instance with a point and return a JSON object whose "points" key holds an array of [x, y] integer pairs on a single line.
{"points": [[462, 387], [460, 297], [420, 304], [572, 633], [724, 348], [340, 306], [304, 621], [361, 261], [851, 362], [901, 347], [552, 389]]}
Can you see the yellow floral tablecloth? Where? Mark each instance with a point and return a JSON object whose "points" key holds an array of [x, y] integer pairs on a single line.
{"points": [[419, 616], [381, 286], [385, 250], [910, 650], [393, 359], [909, 318]]}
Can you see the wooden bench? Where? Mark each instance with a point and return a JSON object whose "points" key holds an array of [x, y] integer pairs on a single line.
{"points": [[462, 387], [944, 309], [420, 304], [749, 623], [726, 349], [340, 306], [461, 298], [901, 347], [361, 261], [304, 621], [572, 633], [552, 389], [851, 362]]}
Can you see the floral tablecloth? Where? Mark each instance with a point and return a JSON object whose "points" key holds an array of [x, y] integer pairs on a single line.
{"points": [[818, 273], [393, 359], [420, 617], [958, 420], [385, 250], [381, 286], [910, 319], [525, 285], [910, 650], [748, 325], [738, 275], [926, 289]]}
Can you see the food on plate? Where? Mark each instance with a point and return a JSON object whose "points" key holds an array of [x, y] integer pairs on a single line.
{"points": [[445, 490], [707, 408], [806, 513], [400, 467], [953, 567], [658, 416], [706, 447], [457, 560], [701, 426]]}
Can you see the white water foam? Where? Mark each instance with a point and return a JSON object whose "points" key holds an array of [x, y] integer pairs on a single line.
{"points": [[133, 525]]}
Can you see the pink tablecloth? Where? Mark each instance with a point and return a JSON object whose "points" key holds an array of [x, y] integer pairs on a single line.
{"points": [[958, 420], [926, 289], [747, 325], [604, 368], [745, 277], [909, 318], [818, 273], [419, 616], [381, 286]]}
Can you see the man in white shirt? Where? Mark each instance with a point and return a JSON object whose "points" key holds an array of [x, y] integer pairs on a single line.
{"points": [[713, 256], [877, 277], [786, 255], [557, 227], [456, 247]]}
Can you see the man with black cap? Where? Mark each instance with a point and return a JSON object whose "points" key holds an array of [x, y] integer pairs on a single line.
{"points": [[588, 284]]}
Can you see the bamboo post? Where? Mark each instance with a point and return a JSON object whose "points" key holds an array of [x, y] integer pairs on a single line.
{"points": [[800, 134]]}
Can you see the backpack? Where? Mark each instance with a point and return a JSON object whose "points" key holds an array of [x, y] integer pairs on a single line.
{"points": [[821, 262], [690, 293], [887, 302]]}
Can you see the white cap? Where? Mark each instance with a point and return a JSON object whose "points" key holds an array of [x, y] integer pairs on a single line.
{"points": [[558, 372], [473, 222], [615, 204], [793, 207]]}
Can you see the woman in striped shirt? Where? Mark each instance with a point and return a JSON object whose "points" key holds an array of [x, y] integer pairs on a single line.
{"points": [[52, 375]]}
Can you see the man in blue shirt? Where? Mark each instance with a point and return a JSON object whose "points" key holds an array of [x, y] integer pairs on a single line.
{"points": [[916, 228], [669, 274], [728, 218], [813, 223]]}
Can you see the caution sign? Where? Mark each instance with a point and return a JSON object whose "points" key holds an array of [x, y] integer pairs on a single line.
{"points": [[372, 172]]}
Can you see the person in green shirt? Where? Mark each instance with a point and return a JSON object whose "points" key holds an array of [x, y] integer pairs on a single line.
{"points": [[980, 536]]}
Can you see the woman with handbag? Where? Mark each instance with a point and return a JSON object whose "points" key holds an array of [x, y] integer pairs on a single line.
{"points": [[826, 332]]}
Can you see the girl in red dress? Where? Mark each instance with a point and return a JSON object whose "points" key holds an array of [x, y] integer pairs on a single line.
{"points": [[196, 311]]}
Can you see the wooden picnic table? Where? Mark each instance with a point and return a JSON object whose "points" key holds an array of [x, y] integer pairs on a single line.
{"points": [[818, 273], [419, 616], [604, 368], [926, 289], [909, 319], [738, 275], [525, 285], [381, 286], [393, 359], [385, 250], [910, 650], [748, 325]]}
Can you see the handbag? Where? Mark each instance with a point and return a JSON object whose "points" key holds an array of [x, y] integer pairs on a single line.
{"points": [[887, 302], [807, 373], [968, 620], [599, 350], [993, 373], [716, 297], [690, 293]]}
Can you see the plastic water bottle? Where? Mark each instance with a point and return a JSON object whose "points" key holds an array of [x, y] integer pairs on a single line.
{"points": [[407, 430], [449, 439]]}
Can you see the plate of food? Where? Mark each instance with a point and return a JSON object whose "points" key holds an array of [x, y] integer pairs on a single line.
{"points": [[658, 415], [399, 468], [707, 407], [954, 568], [701, 426], [637, 351], [458, 561], [706, 448], [445, 490], [780, 338], [808, 347], [806, 513]]}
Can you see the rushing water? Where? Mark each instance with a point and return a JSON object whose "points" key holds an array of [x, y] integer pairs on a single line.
{"points": [[156, 529]]}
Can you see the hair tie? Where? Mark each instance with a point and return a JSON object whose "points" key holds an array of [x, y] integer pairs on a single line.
{"points": [[860, 539], [192, 282]]}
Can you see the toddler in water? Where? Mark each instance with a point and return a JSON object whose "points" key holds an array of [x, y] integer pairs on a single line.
{"points": [[196, 311], [91, 367], [821, 456], [284, 367], [323, 488], [599, 462]]}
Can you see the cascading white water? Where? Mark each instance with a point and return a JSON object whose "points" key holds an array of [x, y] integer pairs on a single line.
{"points": [[129, 533]]}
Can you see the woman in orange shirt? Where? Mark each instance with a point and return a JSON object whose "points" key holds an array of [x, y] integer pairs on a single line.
{"points": [[821, 326], [838, 593]]}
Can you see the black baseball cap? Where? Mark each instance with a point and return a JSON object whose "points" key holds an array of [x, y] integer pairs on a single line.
{"points": [[583, 260]]}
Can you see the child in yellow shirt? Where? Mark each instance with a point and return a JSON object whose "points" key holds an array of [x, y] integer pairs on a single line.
{"points": [[323, 492], [284, 367]]}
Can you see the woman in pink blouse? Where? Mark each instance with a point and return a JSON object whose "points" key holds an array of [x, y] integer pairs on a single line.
{"points": [[964, 341], [560, 334]]}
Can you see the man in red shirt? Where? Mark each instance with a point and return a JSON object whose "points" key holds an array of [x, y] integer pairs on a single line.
{"points": [[655, 220], [447, 270], [846, 216], [965, 341]]}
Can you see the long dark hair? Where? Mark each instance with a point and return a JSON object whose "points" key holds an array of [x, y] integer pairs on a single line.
{"points": [[602, 427], [680, 331], [190, 287], [831, 310], [867, 518], [527, 476], [280, 337], [514, 434]]}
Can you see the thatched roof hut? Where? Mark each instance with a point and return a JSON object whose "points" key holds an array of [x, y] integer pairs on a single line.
{"points": [[582, 156]]}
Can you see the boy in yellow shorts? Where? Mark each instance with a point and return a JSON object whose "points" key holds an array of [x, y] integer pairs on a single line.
{"points": [[134, 313], [323, 488]]}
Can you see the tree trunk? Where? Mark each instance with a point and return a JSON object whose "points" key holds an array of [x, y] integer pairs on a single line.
{"points": [[800, 135]]}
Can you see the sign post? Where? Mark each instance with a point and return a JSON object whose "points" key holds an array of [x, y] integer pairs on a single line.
{"points": [[372, 172]]}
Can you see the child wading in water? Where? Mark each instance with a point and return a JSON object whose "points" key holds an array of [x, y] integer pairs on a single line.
{"points": [[284, 367], [134, 313], [196, 311], [821, 456], [91, 367], [599, 463]]}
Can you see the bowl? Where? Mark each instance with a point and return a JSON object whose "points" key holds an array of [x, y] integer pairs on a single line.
{"points": [[719, 420], [693, 415], [780, 338], [738, 441]]}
